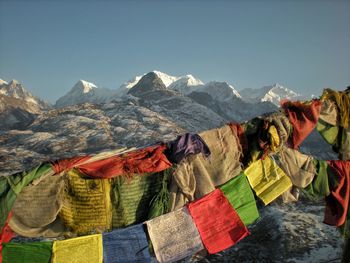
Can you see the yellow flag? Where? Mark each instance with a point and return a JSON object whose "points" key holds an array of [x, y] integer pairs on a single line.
{"points": [[267, 179], [87, 249], [87, 207], [274, 138]]}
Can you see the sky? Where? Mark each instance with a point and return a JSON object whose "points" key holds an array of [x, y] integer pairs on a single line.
{"points": [[49, 45]]}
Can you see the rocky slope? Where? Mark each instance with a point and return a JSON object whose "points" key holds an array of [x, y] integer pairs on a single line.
{"points": [[82, 129], [232, 108], [165, 78], [14, 89], [15, 113], [154, 95], [292, 233], [18, 107]]}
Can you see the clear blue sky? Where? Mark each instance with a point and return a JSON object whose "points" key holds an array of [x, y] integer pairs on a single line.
{"points": [[50, 45]]}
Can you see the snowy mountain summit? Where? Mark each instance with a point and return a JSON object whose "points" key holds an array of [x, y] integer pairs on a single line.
{"points": [[150, 83], [186, 84], [84, 91], [84, 86], [167, 79], [221, 91], [15, 90], [125, 87], [2, 82], [18, 107], [274, 94]]}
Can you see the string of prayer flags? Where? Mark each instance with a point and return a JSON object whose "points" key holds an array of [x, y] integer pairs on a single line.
{"points": [[87, 207], [174, 236], [241, 197], [76, 194], [86, 249], [267, 179], [218, 223], [34, 252], [126, 245]]}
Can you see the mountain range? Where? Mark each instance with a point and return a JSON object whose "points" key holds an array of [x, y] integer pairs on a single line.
{"points": [[148, 108], [84, 91]]}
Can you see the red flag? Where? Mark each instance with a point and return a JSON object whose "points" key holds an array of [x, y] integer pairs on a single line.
{"points": [[147, 160], [218, 223], [67, 164], [303, 117], [338, 201], [6, 234]]}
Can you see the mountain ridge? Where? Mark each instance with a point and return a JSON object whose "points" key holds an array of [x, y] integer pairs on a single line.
{"points": [[273, 93], [16, 90], [220, 101], [84, 91]]}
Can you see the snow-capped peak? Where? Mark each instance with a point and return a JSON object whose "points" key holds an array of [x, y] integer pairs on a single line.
{"points": [[84, 86], [3, 82], [84, 91], [16, 90], [14, 82], [281, 89], [189, 80], [186, 84], [167, 79], [130, 83], [273, 93], [234, 91], [221, 91], [277, 92]]}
